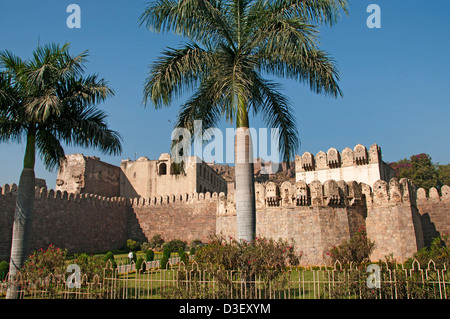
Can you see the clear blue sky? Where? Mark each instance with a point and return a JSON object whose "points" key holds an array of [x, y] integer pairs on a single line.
{"points": [[395, 79]]}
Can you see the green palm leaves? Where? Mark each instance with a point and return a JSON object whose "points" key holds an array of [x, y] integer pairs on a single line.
{"points": [[48, 98], [232, 45]]}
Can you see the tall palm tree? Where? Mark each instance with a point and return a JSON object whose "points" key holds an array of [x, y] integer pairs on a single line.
{"points": [[232, 44], [46, 101]]}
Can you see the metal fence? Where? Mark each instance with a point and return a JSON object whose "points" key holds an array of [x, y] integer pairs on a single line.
{"points": [[379, 281]]}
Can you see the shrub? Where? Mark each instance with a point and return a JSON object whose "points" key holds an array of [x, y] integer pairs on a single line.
{"points": [[195, 243], [149, 255], [264, 260], [133, 245], [4, 269], [438, 251], [110, 256], [140, 265], [145, 246], [90, 265], [156, 242], [265, 257], [356, 250], [163, 261], [175, 244], [45, 262], [183, 256], [192, 251], [166, 251]]}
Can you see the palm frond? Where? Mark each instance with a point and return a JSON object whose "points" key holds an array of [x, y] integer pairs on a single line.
{"points": [[276, 111], [177, 70], [199, 20]]}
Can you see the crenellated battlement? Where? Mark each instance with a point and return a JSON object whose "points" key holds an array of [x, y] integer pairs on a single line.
{"points": [[187, 198], [433, 194], [333, 159], [360, 164], [44, 193]]}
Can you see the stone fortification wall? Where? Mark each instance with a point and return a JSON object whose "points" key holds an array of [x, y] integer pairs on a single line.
{"points": [[78, 222], [317, 216], [184, 216], [359, 164], [434, 212], [393, 220]]}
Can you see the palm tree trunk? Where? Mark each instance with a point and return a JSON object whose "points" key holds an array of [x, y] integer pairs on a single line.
{"points": [[23, 216], [245, 185]]}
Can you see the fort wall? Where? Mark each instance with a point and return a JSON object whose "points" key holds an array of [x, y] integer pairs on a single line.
{"points": [[316, 215], [78, 222], [359, 164], [434, 212]]}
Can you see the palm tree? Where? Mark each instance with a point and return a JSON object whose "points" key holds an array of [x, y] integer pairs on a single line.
{"points": [[232, 44], [46, 101]]}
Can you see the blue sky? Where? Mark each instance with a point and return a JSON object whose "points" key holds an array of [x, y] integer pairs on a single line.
{"points": [[395, 79]]}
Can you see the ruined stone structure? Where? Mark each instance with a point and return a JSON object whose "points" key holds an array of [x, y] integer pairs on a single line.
{"points": [[140, 178], [316, 215], [360, 165]]}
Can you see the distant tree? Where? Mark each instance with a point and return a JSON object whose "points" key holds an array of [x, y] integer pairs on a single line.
{"points": [[443, 172], [420, 170]]}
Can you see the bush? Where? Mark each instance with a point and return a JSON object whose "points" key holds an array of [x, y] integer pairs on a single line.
{"points": [[438, 252], [264, 260], [265, 257], [90, 265], [356, 250], [45, 262], [166, 251], [149, 255], [195, 243], [110, 256], [183, 256], [175, 244], [140, 265], [163, 261], [4, 269], [156, 242], [192, 251], [133, 245]]}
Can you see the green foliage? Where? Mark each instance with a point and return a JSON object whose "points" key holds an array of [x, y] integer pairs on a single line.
{"points": [[167, 251], [90, 265], [149, 255], [110, 256], [443, 172], [175, 245], [183, 256], [156, 241], [192, 251], [438, 251], [140, 265], [422, 171], [44, 263], [48, 100], [163, 261], [356, 250], [4, 269], [133, 245], [265, 260], [232, 45], [265, 257]]}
